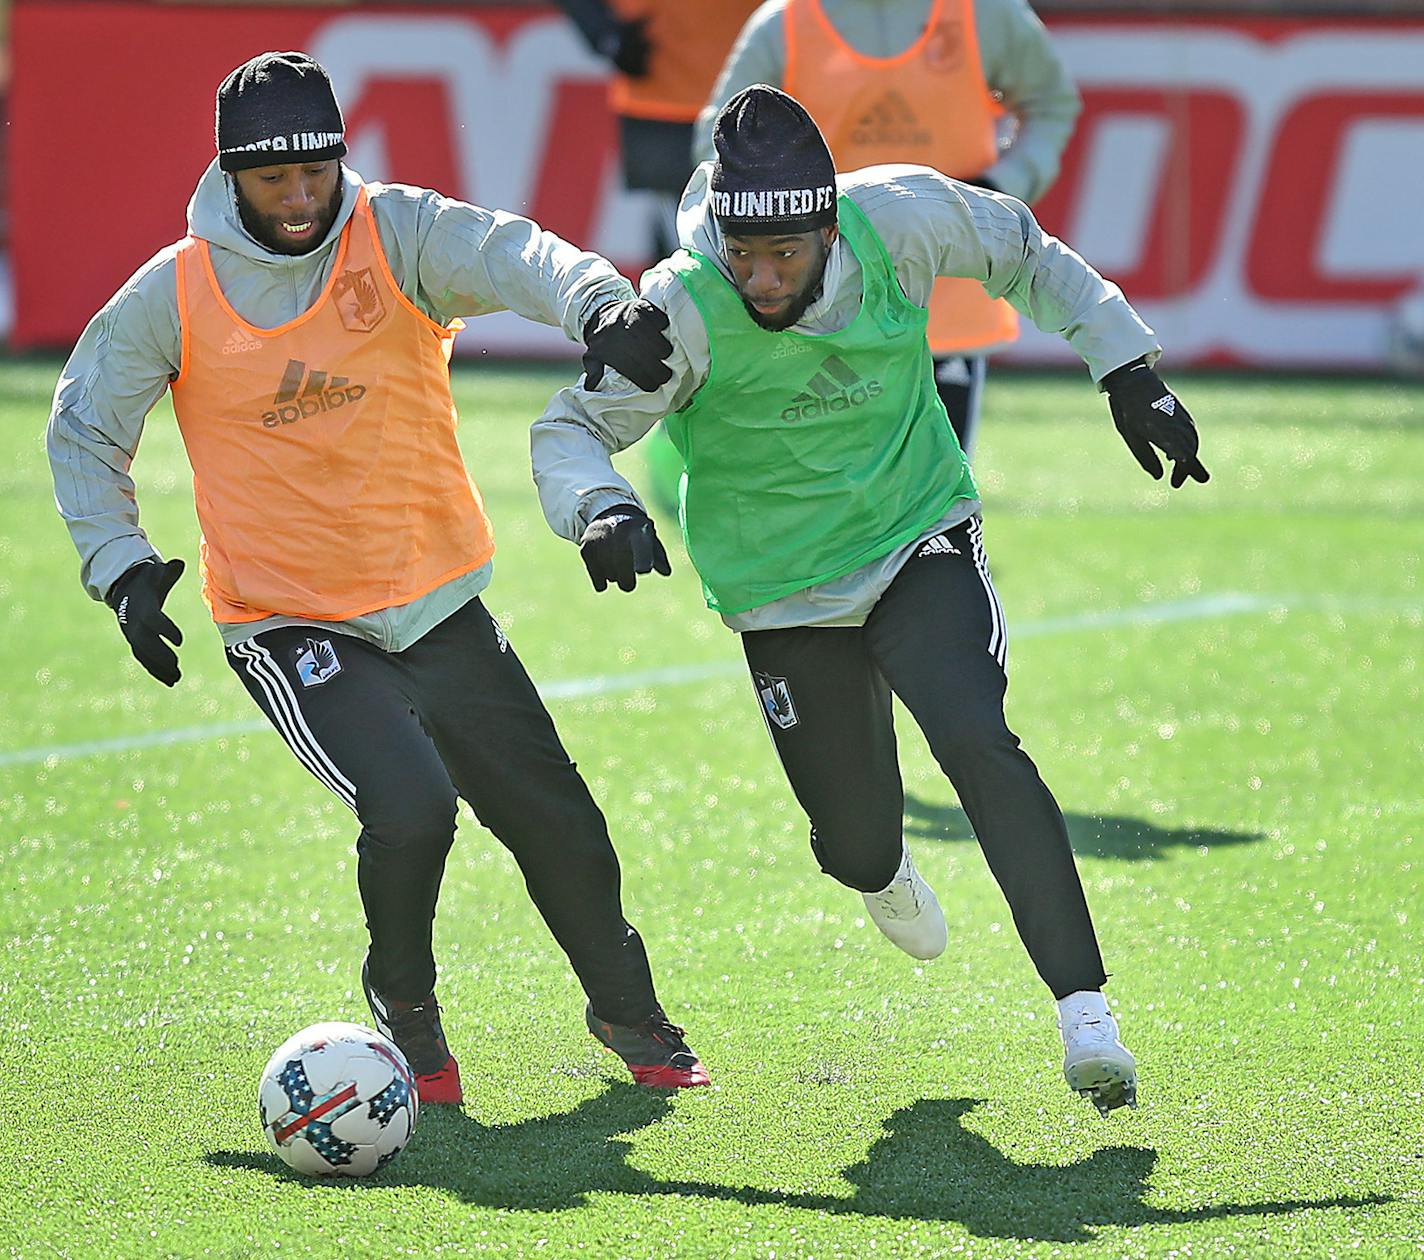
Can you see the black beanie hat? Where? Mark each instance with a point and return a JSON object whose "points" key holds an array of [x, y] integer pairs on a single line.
{"points": [[774, 173], [278, 108]]}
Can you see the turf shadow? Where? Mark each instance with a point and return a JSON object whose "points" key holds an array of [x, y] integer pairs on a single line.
{"points": [[542, 1164], [927, 1167], [1101, 835]]}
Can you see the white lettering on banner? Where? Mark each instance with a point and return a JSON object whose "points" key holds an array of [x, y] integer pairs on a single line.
{"points": [[1235, 301], [1222, 312]]}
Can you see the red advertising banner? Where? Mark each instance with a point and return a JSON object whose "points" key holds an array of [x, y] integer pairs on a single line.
{"points": [[1254, 185], [110, 132]]}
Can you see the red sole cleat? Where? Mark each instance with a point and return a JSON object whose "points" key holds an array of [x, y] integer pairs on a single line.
{"points": [[662, 1076], [442, 1086]]}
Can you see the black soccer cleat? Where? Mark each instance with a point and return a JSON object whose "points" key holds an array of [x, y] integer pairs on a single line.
{"points": [[415, 1028], [654, 1050]]}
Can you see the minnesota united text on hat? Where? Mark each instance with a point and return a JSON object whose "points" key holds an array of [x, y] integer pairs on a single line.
{"points": [[775, 203], [296, 142]]}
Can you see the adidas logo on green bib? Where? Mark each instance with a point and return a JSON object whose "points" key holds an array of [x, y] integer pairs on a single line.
{"points": [[835, 386]]}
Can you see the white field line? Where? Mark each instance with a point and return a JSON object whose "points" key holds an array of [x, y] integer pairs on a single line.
{"points": [[1194, 608]]}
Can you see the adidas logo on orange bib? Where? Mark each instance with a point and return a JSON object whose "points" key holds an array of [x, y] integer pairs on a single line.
{"points": [[835, 387], [306, 392], [890, 122], [241, 342]]}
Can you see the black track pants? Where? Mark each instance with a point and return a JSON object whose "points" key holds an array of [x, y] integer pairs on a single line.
{"points": [[397, 735], [959, 381], [935, 640]]}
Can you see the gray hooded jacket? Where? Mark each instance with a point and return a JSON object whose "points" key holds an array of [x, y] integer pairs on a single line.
{"points": [[450, 258], [932, 226]]}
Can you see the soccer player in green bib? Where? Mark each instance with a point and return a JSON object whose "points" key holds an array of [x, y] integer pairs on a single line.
{"points": [[833, 518]]}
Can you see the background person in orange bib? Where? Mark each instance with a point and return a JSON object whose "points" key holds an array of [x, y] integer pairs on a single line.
{"points": [[972, 88], [304, 327], [666, 55]]}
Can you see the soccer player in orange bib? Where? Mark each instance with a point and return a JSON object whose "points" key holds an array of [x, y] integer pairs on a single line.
{"points": [[304, 327]]}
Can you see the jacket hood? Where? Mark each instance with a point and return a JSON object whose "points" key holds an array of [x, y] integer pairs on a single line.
{"points": [[696, 228], [212, 215]]}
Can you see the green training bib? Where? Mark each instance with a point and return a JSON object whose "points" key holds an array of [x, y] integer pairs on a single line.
{"points": [[807, 457]]}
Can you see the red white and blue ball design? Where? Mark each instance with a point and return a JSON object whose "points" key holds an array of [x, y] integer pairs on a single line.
{"points": [[338, 1100]]}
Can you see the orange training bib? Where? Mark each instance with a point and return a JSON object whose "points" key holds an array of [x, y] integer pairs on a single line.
{"points": [[691, 40], [326, 473], [929, 105]]}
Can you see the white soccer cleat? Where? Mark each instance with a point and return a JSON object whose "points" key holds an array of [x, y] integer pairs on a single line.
{"points": [[1095, 1062], [908, 912]]}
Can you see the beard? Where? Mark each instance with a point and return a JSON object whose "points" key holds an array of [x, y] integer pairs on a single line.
{"points": [[798, 306], [266, 229], [784, 319]]}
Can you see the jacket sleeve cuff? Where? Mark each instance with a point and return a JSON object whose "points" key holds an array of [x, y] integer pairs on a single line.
{"points": [[107, 565], [601, 500], [1101, 371], [618, 290]]}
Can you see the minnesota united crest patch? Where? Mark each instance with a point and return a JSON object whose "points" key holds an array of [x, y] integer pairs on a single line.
{"points": [[317, 663], [776, 699], [358, 300]]}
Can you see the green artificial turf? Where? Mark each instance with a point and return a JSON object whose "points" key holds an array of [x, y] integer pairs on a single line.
{"points": [[1222, 685]]}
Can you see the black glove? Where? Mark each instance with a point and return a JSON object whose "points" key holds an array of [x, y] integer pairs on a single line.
{"points": [[630, 337], [1148, 414], [619, 543], [627, 47], [137, 598], [984, 182]]}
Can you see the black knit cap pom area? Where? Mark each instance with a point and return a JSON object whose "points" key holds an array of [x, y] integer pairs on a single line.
{"points": [[774, 173], [278, 108]]}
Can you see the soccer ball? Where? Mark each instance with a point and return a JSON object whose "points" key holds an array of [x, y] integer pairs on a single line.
{"points": [[337, 1100], [1405, 351]]}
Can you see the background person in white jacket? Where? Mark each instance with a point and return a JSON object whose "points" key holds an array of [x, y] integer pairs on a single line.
{"points": [[833, 518], [304, 328]]}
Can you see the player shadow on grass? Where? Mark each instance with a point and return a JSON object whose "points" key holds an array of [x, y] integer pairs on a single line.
{"points": [[543, 1164], [927, 1167], [1100, 835]]}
